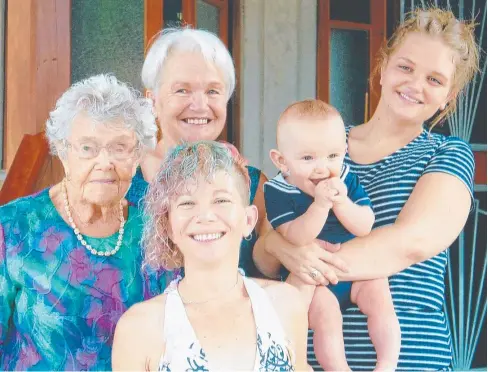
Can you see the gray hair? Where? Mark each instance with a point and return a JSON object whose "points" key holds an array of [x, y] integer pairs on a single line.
{"points": [[187, 39], [104, 99]]}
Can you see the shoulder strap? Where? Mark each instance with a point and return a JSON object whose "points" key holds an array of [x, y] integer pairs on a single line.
{"points": [[265, 315], [178, 332]]}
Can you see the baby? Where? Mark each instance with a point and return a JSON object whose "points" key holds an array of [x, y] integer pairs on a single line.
{"points": [[315, 195]]}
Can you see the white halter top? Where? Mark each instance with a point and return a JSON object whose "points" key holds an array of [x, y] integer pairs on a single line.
{"points": [[184, 352]]}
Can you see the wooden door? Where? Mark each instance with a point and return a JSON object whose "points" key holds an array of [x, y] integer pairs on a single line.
{"points": [[350, 33]]}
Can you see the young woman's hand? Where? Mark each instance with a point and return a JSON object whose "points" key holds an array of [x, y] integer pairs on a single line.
{"points": [[313, 263]]}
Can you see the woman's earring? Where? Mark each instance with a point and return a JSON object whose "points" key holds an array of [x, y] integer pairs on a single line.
{"points": [[248, 238]]}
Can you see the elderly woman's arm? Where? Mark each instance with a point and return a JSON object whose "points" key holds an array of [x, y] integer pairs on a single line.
{"points": [[430, 221], [262, 225], [7, 292], [267, 263]]}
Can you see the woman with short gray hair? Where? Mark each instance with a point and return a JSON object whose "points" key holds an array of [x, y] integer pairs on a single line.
{"points": [[70, 259], [189, 75], [172, 40]]}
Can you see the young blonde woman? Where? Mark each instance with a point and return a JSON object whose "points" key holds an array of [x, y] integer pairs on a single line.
{"points": [[215, 318], [420, 185]]}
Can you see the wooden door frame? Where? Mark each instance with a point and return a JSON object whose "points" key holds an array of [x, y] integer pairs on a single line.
{"points": [[154, 17], [222, 5], [237, 57], [480, 164], [37, 72], [189, 10], [323, 46], [153, 20], [378, 37], [377, 34], [37, 66]]}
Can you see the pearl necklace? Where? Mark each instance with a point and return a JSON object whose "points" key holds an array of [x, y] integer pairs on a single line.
{"points": [[77, 231]]}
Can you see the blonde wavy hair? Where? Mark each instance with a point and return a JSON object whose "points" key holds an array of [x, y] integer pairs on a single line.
{"points": [[182, 167], [458, 35]]}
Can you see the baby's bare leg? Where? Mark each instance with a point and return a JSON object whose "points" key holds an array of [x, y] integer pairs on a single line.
{"points": [[305, 289], [325, 319], [374, 300]]}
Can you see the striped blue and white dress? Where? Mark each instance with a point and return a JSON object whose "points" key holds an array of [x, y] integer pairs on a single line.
{"points": [[418, 291]]}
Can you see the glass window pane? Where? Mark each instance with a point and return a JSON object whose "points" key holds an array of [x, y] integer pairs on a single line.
{"points": [[107, 37], [350, 10], [172, 13], [349, 73], [208, 17]]}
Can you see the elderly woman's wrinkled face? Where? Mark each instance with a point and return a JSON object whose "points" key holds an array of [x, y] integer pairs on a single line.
{"points": [[100, 160], [191, 102]]}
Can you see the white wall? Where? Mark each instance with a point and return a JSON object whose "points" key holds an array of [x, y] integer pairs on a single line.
{"points": [[278, 51]]}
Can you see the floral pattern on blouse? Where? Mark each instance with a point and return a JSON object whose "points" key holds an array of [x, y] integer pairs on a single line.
{"points": [[60, 303]]}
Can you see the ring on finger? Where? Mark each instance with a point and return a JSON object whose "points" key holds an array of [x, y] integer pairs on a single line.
{"points": [[314, 273]]}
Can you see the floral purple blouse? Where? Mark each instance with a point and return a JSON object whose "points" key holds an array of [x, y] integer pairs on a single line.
{"points": [[59, 303]]}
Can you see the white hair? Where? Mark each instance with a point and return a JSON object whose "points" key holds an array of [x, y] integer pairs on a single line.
{"points": [[186, 39], [104, 99]]}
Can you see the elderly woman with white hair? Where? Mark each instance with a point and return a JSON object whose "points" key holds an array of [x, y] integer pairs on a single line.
{"points": [[189, 76], [70, 259]]}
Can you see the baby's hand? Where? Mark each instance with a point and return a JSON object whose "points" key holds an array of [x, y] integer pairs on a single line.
{"points": [[329, 247], [323, 195], [337, 189]]}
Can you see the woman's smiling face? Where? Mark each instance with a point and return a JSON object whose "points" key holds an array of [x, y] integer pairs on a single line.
{"points": [[417, 78], [209, 219], [191, 102]]}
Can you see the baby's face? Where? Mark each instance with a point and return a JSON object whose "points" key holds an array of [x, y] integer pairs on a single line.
{"points": [[313, 150]]}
